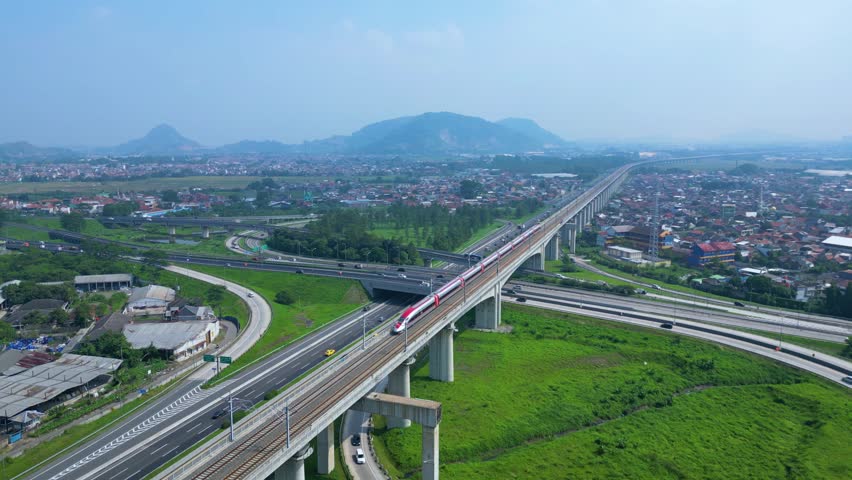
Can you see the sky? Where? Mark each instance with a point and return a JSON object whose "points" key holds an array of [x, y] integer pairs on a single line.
{"points": [[100, 73]]}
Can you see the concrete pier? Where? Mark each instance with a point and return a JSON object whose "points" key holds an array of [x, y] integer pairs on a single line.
{"points": [[205, 232], [294, 469], [551, 251], [325, 450], [399, 384], [441, 355], [487, 312]]}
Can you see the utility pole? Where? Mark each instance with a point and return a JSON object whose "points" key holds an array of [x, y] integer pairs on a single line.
{"points": [[405, 349], [287, 420], [230, 406], [364, 332]]}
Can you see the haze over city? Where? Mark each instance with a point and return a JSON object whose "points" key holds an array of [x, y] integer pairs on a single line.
{"points": [[100, 73]]}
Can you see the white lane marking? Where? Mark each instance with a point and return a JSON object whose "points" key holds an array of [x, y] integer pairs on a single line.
{"points": [[193, 428], [157, 450], [118, 474], [170, 451], [150, 423]]}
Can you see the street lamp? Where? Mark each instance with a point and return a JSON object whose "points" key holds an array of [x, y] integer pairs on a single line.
{"points": [[364, 331]]}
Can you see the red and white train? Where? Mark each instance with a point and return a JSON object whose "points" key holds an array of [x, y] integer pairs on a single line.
{"points": [[412, 313]]}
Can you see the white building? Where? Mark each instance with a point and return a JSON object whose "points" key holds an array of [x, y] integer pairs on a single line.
{"points": [[623, 253], [180, 339], [150, 300], [838, 244]]}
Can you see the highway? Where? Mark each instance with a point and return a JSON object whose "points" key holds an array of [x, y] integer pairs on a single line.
{"points": [[174, 423], [833, 332], [823, 365]]}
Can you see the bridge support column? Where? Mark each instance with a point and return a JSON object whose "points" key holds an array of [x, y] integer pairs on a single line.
{"points": [[429, 454], [325, 450], [441, 355], [205, 232], [551, 251], [172, 230], [399, 384], [294, 469], [569, 235], [536, 262], [488, 311]]}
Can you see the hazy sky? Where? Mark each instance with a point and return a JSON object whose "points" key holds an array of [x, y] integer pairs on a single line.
{"points": [[99, 73]]}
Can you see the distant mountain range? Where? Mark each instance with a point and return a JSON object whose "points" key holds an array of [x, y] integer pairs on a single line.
{"points": [[428, 133], [25, 150]]}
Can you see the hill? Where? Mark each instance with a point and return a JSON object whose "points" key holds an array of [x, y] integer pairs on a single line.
{"points": [[28, 151], [533, 130], [161, 140], [254, 146], [440, 132]]}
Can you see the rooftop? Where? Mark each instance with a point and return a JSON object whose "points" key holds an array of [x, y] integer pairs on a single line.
{"points": [[107, 278], [163, 336], [838, 241], [158, 292]]}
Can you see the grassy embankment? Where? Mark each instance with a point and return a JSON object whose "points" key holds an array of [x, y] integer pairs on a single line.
{"points": [[141, 235], [318, 301], [564, 396]]}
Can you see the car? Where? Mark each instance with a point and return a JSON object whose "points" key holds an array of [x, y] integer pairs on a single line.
{"points": [[356, 439], [250, 295], [330, 352], [518, 287], [220, 413], [559, 275], [402, 275], [341, 265], [400, 269], [300, 271], [227, 264], [359, 266], [366, 308], [439, 276], [846, 380], [521, 299], [739, 304], [656, 287], [667, 326], [360, 459]]}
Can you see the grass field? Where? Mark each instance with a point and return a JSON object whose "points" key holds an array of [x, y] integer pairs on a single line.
{"points": [[142, 235], [157, 184], [616, 401], [318, 301]]}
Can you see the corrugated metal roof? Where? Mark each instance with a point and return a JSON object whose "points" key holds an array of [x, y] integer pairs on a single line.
{"points": [[158, 292], [163, 336], [43, 382], [838, 241], [107, 278]]}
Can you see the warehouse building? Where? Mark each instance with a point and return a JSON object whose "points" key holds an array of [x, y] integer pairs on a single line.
{"points": [[95, 283]]}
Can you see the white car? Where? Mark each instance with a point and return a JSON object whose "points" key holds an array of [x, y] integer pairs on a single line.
{"points": [[360, 459]]}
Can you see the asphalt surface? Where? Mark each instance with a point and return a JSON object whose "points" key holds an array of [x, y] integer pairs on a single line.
{"points": [[711, 314], [183, 417], [719, 335]]}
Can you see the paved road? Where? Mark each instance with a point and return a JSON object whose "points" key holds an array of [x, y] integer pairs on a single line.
{"points": [[162, 430], [769, 312], [789, 359], [358, 423], [712, 314]]}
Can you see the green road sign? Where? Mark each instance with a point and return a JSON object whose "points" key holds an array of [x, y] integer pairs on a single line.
{"points": [[225, 359], [209, 358]]}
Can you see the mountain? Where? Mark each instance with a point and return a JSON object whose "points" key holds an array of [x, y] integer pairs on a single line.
{"points": [[161, 140], [28, 151], [438, 133], [533, 130], [253, 146]]}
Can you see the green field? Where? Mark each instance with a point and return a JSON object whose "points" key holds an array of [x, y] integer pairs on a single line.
{"points": [[141, 235], [159, 183], [318, 301], [617, 401]]}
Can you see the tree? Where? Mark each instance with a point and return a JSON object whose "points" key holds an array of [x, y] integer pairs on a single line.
{"points": [[7, 332], [215, 295], [120, 209], [284, 298], [154, 257], [847, 349], [470, 189], [58, 317], [170, 196], [73, 222]]}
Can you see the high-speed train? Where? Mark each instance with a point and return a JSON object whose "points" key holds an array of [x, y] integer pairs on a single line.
{"points": [[413, 312]]}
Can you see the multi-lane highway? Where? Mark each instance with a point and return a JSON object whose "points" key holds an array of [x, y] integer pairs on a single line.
{"points": [[154, 435]]}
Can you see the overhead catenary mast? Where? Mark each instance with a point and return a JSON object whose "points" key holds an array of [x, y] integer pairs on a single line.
{"points": [[654, 236]]}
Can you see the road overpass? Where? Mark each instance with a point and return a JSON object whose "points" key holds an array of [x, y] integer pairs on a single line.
{"points": [[275, 439]]}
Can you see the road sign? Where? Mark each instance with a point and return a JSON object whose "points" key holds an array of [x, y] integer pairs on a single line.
{"points": [[209, 358], [225, 359]]}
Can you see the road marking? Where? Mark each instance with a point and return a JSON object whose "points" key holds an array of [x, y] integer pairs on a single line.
{"points": [[193, 428], [170, 451], [118, 474], [157, 450]]}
